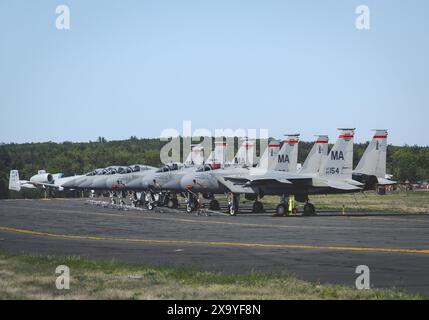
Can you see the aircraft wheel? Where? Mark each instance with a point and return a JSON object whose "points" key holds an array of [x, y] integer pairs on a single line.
{"points": [[234, 202], [232, 210], [150, 205], [189, 208], [309, 209], [281, 210], [257, 207], [172, 203], [214, 205]]}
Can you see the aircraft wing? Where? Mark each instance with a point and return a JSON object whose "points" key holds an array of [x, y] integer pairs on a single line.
{"points": [[40, 184], [341, 185], [265, 181], [235, 187], [235, 179], [383, 181], [254, 181]]}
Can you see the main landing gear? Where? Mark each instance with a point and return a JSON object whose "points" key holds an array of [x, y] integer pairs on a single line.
{"points": [[309, 209], [287, 206], [214, 205], [258, 207], [283, 208], [171, 201], [136, 198]]}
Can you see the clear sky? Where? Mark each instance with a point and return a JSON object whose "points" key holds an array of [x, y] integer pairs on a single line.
{"points": [[137, 67]]}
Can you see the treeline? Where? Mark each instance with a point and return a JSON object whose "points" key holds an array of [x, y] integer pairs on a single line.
{"points": [[405, 163]]}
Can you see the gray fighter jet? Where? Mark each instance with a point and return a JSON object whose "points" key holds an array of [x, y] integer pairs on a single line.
{"points": [[94, 179]]}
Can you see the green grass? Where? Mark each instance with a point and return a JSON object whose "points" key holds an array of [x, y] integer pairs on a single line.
{"points": [[33, 277], [401, 202]]}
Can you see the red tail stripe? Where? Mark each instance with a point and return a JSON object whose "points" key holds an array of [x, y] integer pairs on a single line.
{"points": [[321, 141], [380, 137], [345, 136]]}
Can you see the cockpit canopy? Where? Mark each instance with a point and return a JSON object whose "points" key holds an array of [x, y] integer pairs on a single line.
{"points": [[208, 167], [119, 170], [174, 166], [140, 167]]}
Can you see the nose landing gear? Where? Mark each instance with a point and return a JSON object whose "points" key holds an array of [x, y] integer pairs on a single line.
{"points": [[150, 200], [192, 202], [233, 203], [283, 208]]}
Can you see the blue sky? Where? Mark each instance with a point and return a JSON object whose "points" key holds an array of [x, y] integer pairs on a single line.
{"points": [[137, 67]]}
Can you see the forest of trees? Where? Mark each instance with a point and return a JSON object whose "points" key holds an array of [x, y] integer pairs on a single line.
{"points": [[405, 163]]}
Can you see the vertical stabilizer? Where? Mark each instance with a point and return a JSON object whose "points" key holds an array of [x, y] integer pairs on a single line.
{"points": [[217, 156], [338, 164], [373, 161], [287, 157], [196, 156], [269, 156], [14, 181], [246, 153], [316, 156]]}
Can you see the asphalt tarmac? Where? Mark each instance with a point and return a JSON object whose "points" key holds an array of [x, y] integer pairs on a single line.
{"points": [[326, 248]]}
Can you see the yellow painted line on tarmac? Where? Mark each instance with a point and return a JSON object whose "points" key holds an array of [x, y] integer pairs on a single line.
{"points": [[213, 243]]}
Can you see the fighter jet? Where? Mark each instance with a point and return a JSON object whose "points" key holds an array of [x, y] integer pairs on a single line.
{"points": [[333, 176], [107, 179], [41, 180], [371, 169], [96, 179]]}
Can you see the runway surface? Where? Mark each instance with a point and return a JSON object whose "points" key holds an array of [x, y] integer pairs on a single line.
{"points": [[326, 248]]}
